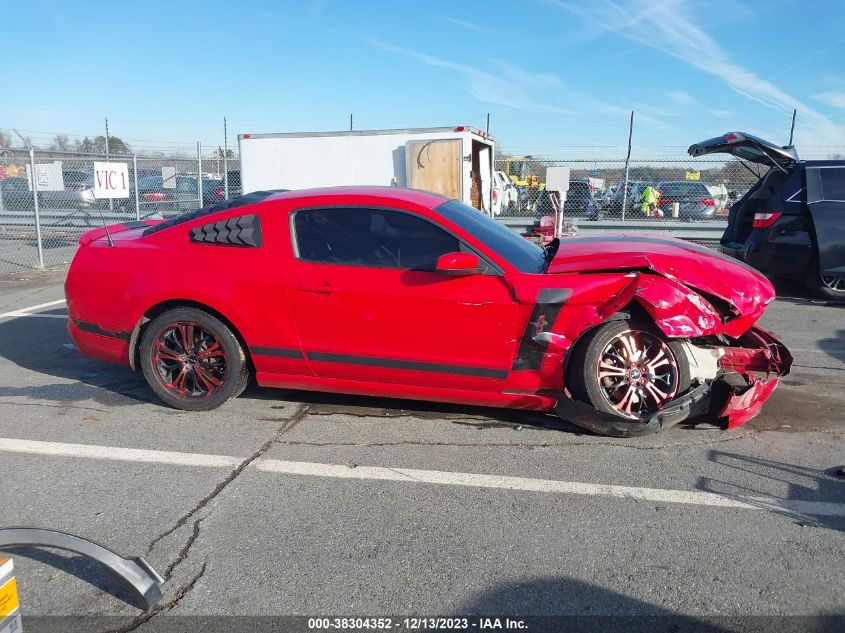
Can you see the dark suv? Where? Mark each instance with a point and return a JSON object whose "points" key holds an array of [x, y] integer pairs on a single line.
{"points": [[792, 222]]}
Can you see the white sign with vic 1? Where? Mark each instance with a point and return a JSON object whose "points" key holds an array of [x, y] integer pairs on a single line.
{"points": [[111, 180]]}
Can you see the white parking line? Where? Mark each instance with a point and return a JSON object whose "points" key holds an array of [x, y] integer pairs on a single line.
{"points": [[435, 477], [116, 453], [28, 310]]}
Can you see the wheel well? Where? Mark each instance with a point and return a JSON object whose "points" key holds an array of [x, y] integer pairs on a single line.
{"points": [[633, 311], [164, 306]]}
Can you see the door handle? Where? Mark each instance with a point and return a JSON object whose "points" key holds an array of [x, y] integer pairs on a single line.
{"points": [[324, 288]]}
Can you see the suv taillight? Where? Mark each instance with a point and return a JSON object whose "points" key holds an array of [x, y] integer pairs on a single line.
{"points": [[764, 220], [154, 197], [708, 202], [218, 192]]}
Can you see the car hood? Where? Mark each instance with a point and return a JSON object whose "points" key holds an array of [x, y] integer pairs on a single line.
{"points": [[694, 266]]}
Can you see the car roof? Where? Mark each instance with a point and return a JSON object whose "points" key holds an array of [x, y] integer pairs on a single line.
{"points": [[414, 196]]}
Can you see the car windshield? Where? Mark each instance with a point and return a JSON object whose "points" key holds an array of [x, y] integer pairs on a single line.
{"points": [[517, 251]]}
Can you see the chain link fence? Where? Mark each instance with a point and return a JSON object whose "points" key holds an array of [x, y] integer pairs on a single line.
{"points": [[642, 189], [47, 197]]}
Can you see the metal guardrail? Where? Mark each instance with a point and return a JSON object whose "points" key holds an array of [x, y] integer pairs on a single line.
{"points": [[695, 231]]}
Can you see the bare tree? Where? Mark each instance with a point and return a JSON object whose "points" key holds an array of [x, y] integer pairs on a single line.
{"points": [[60, 143]]}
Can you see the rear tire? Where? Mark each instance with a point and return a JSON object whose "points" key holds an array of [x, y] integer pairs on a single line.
{"points": [[628, 369], [827, 287], [192, 360]]}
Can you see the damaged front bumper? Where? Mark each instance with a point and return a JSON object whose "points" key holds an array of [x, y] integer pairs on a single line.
{"points": [[756, 365], [749, 371]]}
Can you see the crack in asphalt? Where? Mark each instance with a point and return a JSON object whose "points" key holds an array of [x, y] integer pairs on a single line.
{"points": [[403, 414], [203, 503], [52, 406], [521, 444], [163, 607], [184, 552]]}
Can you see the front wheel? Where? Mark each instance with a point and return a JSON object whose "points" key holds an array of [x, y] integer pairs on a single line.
{"points": [[628, 369], [192, 360]]}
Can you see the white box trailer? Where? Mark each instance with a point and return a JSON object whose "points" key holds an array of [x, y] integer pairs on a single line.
{"points": [[454, 161]]}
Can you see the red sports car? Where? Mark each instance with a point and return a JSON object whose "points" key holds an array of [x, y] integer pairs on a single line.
{"points": [[407, 294]]}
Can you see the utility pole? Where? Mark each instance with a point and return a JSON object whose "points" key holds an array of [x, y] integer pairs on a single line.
{"points": [[627, 162], [225, 163], [792, 128], [488, 123], [111, 202], [350, 122]]}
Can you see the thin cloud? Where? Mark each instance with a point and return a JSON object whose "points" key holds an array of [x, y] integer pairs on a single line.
{"points": [[831, 98], [667, 27], [512, 87], [472, 26], [722, 114], [625, 53], [681, 97]]}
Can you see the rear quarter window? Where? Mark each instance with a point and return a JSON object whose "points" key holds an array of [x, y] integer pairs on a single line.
{"points": [[826, 183]]}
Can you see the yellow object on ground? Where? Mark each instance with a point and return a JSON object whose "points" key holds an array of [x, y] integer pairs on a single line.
{"points": [[10, 621]]}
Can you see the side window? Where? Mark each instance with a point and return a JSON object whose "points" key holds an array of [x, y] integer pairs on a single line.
{"points": [[826, 184], [833, 183], [370, 237]]}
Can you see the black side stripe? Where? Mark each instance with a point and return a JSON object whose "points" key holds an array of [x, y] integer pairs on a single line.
{"points": [[395, 363], [532, 351], [280, 352], [93, 328]]}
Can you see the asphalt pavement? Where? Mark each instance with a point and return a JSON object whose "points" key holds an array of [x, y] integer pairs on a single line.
{"points": [[286, 503]]}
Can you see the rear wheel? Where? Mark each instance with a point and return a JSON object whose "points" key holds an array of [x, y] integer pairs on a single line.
{"points": [[192, 360], [832, 287], [628, 369], [827, 286]]}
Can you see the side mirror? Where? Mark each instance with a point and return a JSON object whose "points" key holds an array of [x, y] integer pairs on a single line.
{"points": [[458, 264]]}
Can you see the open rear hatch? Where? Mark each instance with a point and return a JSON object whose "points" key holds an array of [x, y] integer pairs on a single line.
{"points": [[749, 148], [746, 147]]}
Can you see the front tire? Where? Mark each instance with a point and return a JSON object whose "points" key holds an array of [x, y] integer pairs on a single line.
{"points": [[628, 369], [192, 360]]}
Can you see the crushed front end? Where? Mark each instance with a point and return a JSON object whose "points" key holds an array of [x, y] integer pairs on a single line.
{"points": [[749, 370]]}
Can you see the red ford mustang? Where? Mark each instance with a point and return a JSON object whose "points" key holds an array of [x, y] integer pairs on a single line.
{"points": [[399, 293]]}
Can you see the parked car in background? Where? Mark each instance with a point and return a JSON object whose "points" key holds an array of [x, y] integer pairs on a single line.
{"points": [[792, 222], [17, 196], [182, 196], [695, 202], [612, 206], [497, 197], [580, 202], [511, 195]]}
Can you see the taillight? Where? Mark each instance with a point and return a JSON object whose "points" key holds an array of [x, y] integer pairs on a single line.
{"points": [[154, 197], [707, 202], [218, 192], [764, 220], [495, 195]]}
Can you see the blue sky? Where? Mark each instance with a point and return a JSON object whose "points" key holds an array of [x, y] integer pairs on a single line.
{"points": [[553, 74]]}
